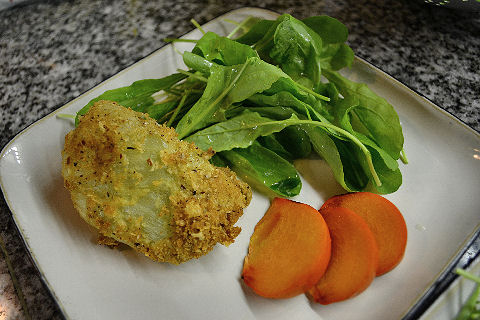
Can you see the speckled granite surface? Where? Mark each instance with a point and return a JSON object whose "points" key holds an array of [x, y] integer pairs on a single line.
{"points": [[52, 51]]}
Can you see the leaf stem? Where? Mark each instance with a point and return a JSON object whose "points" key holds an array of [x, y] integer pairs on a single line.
{"points": [[193, 75], [403, 156], [319, 96], [166, 98], [179, 40], [262, 43], [177, 110], [238, 27], [232, 84], [308, 113], [467, 275], [233, 21], [197, 25]]}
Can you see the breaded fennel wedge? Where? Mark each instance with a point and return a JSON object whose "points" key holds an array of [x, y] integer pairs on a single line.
{"points": [[137, 183]]}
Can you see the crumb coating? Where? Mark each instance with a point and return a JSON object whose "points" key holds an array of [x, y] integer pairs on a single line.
{"points": [[138, 184]]}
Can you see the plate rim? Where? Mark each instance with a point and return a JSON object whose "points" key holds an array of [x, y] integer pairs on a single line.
{"points": [[462, 248]]}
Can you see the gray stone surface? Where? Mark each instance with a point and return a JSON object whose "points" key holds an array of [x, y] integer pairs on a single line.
{"points": [[52, 51]]}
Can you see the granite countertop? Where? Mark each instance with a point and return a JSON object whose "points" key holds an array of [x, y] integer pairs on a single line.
{"points": [[52, 51]]}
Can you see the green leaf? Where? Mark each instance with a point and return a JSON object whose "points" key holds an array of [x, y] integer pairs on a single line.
{"points": [[288, 85], [353, 160], [256, 32], [377, 119], [264, 169], [242, 27], [238, 132], [326, 148], [218, 161], [222, 50], [356, 177], [264, 45], [349, 165], [227, 85], [137, 96], [242, 130], [336, 56], [296, 141], [277, 113], [196, 62], [391, 178], [157, 111], [296, 48], [271, 143], [343, 110], [282, 99], [329, 29]]}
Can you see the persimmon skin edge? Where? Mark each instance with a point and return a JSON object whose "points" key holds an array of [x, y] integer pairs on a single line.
{"points": [[289, 250]]}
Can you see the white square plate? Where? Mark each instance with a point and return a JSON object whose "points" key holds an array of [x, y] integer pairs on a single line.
{"points": [[439, 199]]}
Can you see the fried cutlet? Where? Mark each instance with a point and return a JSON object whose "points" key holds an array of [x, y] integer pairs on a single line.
{"points": [[138, 184]]}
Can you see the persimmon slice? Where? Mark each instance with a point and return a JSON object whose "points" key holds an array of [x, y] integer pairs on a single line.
{"points": [[288, 252], [385, 221], [354, 257]]}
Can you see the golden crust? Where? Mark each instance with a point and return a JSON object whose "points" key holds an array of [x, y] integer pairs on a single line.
{"points": [[137, 183]]}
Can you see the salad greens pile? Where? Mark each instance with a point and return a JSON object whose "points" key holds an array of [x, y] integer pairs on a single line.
{"points": [[273, 95]]}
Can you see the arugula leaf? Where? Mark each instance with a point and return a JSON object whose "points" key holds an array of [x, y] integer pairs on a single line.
{"points": [[343, 109], [329, 29], [137, 96], [326, 148], [238, 132], [222, 50], [257, 32], [296, 49], [391, 179], [244, 26], [376, 117], [227, 85], [196, 62], [351, 160], [157, 111], [295, 140], [336, 56], [349, 165], [285, 99], [287, 84], [277, 113], [243, 130], [265, 43], [264, 169], [271, 143]]}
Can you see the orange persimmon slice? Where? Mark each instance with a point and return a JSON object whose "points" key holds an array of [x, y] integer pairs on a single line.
{"points": [[288, 252], [353, 261], [385, 221]]}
